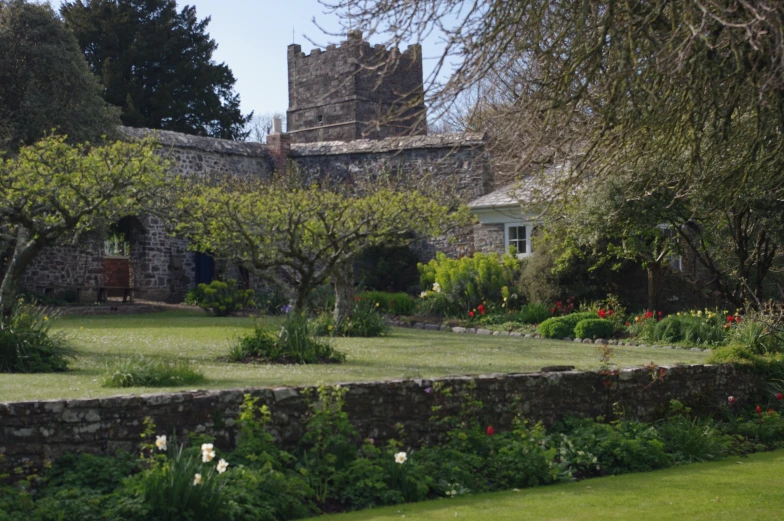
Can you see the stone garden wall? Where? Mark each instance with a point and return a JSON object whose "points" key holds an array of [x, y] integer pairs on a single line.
{"points": [[456, 163], [44, 430]]}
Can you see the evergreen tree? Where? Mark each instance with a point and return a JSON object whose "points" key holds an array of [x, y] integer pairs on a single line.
{"points": [[156, 63], [45, 83]]}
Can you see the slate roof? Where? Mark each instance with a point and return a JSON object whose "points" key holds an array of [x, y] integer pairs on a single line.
{"points": [[528, 190]]}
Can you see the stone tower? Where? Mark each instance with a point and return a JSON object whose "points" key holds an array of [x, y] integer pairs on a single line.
{"points": [[350, 92]]}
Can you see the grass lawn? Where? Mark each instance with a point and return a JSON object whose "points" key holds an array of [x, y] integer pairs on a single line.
{"points": [[742, 489], [192, 335]]}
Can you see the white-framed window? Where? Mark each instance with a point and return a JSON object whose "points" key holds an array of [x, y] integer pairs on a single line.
{"points": [[518, 234]]}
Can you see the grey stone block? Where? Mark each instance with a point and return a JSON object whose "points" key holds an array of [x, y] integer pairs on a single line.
{"points": [[481, 331], [458, 329]]}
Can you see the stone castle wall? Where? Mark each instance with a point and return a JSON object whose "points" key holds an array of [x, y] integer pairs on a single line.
{"points": [[344, 92], [32, 432]]}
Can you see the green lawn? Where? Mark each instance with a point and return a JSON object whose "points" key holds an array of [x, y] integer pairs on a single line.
{"points": [[406, 353], [742, 489]]}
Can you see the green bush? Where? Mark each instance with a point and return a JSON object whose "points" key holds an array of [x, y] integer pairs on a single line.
{"points": [[27, 345], [534, 313], [294, 344], [223, 298], [141, 371], [694, 330], [594, 328], [561, 327], [365, 321], [393, 303], [459, 285]]}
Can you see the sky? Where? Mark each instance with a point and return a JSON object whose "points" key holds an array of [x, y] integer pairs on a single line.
{"points": [[252, 36]]}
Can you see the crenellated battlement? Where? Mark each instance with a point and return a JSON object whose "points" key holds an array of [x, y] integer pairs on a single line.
{"points": [[347, 92]]}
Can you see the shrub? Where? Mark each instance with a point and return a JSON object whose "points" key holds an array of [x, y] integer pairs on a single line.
{"points": [[223, 298], [692, 439], [561, 327], [533, 313], [365, 321], [294, 344], [27, 344], [141, 371], [594, 328], [463, 284], [394, 303]]}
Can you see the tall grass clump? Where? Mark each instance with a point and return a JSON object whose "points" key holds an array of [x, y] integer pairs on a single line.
{"points": [[294, 344], [141, 371], [27, 345]]}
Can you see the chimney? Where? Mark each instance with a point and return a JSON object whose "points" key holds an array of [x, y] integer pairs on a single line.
{"points": [[279, 145]]}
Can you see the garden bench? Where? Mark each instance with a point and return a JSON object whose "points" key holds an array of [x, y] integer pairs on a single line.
{"points": [[103, 293]]}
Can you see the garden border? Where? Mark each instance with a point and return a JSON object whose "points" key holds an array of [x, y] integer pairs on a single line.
{"points": [[482, 331], [34, 432]]}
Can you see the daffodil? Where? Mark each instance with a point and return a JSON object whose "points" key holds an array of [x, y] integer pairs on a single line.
{"points": [[207, 453], [222, 466], [400, 458], [196, 479], [160, 442]]}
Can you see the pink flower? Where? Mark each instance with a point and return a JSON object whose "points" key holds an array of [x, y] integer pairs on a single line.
{"points": [[731, 400]]}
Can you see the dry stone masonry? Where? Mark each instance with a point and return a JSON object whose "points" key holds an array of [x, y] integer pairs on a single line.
{"points": [[32, 432]]}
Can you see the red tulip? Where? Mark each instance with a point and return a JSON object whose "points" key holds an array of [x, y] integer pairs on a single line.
{"points": [[609, 312], [490, 430], [628, 324], [471, 314], [602, 313], [731, 400], [758, 409], [779, 396]]}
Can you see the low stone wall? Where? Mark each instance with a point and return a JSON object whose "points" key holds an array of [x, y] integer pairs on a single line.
{"points": [[33, 432]]}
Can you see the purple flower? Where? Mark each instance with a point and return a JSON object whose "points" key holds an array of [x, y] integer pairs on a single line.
{"points": [[286, 308], [428, 390]]}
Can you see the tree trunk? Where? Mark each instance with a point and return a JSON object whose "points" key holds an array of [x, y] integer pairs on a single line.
{"points": [[343, 279], [24, 252], [654, 273]]}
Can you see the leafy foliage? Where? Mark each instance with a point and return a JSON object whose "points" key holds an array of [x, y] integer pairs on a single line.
{"points": [[27, 345], [45, 83], [223, 298], [313, 231], [294, 344], [364, 321], [561, 327], [459, 285], [141, 371], [156, 63], [594, 328]]}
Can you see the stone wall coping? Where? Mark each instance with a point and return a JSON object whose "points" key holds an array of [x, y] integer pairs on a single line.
{"points": [[280, 393], [205, 144], [391, 144]]}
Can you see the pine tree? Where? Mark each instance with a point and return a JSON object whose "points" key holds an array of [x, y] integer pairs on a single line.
{"points": [[45, 83], [156, 63]]}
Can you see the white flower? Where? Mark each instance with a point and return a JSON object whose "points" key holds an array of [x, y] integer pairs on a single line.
{"points": [[207, 453], [437, 287], [423, 294], [160, 443], [196, 479], [400, 458], [222, 466]]}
